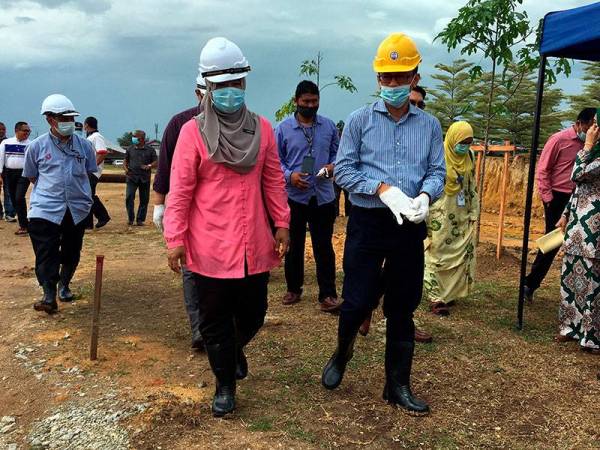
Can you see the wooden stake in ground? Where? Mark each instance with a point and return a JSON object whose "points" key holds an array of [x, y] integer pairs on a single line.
{"points": [[502, 207], [96, 308]]}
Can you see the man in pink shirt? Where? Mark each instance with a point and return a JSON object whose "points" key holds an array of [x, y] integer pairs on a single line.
{"points": [[555, 186], [226, 181]]}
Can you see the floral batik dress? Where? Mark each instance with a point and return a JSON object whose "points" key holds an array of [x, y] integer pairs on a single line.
{"points": [[579, 312], [450, 256]]}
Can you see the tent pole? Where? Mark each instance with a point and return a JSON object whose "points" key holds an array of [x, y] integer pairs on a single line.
{"points": [[530, 182]]}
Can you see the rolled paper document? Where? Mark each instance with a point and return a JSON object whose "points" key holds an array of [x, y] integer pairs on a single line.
{"points": [[551, 241]]}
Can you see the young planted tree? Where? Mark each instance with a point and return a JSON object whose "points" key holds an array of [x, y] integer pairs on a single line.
{"points": [[515, 118], [453, 93], [312, 69], [495, 29]]}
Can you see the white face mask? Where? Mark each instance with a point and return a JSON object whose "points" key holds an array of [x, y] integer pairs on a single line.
{"points": [[65, 128], [581, 136]]}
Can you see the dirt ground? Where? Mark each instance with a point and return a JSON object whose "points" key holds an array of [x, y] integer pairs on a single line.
{"points": [[489, 385]]}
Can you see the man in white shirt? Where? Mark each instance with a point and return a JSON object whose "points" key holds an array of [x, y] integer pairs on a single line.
{"points": [[12, 158], [90, 126]]}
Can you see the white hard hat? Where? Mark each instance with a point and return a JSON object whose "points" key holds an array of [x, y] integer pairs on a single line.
{"points": [[201, 84], [221, 60], [58, 104]]}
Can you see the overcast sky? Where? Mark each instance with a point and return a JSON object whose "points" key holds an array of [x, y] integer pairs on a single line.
{"points": [[133, 63]]}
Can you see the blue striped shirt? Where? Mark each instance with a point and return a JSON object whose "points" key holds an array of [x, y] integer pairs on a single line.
{"points": [[374, 148]]}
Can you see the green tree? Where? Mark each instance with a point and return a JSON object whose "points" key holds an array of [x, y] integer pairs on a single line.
{"points": [[590, 97], [495, 28], [125, 140], [452, 95], [312, 69], [513, 106], [516, 113]]}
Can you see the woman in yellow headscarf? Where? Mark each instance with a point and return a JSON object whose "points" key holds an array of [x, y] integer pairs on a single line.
{"points": [[450, 256]]}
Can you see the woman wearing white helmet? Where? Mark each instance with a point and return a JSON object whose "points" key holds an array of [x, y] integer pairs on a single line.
{"points": [[226, 181]]}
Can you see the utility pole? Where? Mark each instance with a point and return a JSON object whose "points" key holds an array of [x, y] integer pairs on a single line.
{"points": [[156, 131]]}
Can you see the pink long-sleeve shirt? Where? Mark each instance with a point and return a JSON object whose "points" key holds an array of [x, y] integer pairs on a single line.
{"points": [[556, 163], [219, 215]]}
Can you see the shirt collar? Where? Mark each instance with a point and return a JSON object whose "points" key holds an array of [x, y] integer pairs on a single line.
{"points": [[571, 133], [380, 107], [296, 124]]}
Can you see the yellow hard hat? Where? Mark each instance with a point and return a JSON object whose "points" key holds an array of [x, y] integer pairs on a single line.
{"points": [[396, 53]]}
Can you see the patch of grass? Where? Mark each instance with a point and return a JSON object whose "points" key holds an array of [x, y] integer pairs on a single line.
{"points": [[120, 373], [298, 375], [445, 442], [295, 431], [261, 424]]}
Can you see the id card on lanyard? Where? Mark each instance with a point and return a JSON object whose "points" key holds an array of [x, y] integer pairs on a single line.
{"points": [[461, 200], [308, 163]]}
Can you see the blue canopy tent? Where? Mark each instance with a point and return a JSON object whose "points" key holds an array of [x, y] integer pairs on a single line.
{"points": [[574, 33]]}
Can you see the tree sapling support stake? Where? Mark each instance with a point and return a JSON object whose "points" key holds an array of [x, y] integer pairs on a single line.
{"points": [[96, 308]]}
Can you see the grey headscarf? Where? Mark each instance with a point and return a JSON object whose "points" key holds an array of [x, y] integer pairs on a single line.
{"points": [[231, 139]]}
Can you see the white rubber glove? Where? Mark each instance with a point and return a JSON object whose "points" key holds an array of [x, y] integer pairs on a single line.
{"points": [[420, 209], [157, 216], [398, 202]]}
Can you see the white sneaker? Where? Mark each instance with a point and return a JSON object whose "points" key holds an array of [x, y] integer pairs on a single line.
{"points": [[10, 219]]}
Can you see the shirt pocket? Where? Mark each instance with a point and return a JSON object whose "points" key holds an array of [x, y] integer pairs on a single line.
{"points": [[78, 168]]}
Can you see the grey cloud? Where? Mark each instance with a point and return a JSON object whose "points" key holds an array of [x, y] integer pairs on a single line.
{"points": [[24, 19], [87, 6]]}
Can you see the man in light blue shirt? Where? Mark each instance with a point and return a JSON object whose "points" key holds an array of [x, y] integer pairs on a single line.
{"points": [[58, 164], [391, 160], [308, 144]]}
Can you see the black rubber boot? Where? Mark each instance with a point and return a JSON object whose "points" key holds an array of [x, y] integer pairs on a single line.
{"points": [[66, 274], [333, 373], [398, 365], [241, 364], [48, 302], [222, 360], [197, 342]]}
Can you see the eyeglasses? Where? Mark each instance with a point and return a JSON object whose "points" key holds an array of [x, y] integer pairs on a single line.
{"points": [[400, 78], [420, 104]]}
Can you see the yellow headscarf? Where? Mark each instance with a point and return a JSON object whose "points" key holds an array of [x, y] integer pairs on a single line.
{"points": [[456, 164]]}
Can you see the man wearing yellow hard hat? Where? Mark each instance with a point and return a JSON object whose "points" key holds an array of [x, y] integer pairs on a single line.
{"points": [[391, 160]]}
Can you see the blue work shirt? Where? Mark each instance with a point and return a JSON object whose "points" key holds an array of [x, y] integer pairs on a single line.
{"points": [[293, 146], [61, 177], [374, 148]]}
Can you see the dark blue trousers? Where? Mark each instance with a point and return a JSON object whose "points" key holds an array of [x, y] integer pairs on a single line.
{"points": [[374, 240]]}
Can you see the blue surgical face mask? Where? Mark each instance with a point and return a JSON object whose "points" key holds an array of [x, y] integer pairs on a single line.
{"points": [[65, 128], [135, 140], [395, 96], [228, 99], [461, 149], [581, 135]]}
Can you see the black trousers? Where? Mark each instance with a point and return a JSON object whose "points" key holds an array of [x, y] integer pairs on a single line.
{"points": [[373, 239], [132, 186], [17, 188], [191, 299], [320, 221], [230, 311], [8, 207], [98, 208], [338, 194], [543, 262], [55, 245]]}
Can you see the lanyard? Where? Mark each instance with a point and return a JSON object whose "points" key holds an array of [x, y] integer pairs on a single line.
{"points": [[67, 150], [310, 137]]}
